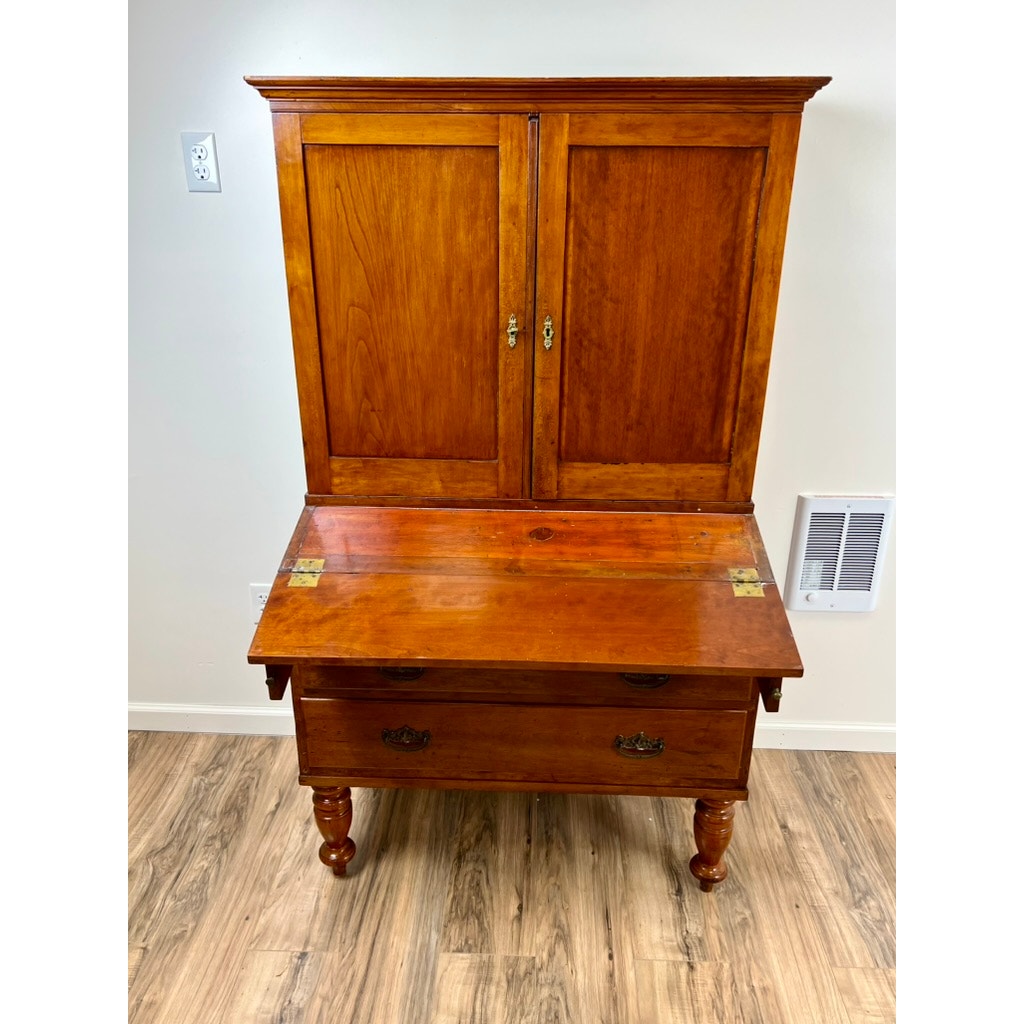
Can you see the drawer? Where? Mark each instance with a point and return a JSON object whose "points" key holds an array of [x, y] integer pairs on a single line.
{"points": [[613, 746], [504, 685]]}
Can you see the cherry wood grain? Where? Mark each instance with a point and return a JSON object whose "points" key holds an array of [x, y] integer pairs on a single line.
{"points": [[659, 246], [520, 743], [692, 484], [552, 197], [516, 272], [712, 827], [387, 476], [376, 129], [423, 393], [588, 505], [675, 131], [539, 590], [594, 689], [581, 543], [735, 93], [767, 273], [639, 223], [492, 622], [407, 321], [291, 179], [410, 254], [332, 808], [652, 228]]}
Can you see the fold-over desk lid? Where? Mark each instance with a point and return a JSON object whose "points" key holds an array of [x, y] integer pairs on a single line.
{"points": [[598, 591]]}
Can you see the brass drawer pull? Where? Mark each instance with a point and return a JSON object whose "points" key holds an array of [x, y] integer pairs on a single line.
{"points": [[403, 674], [406, 739], [646, 680], [639, 746]]}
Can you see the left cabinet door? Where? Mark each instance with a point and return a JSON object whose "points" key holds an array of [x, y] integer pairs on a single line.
{"points": [[405, 239]]}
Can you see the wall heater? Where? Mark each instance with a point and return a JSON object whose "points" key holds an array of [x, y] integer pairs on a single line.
{"points": [[835, 560]]}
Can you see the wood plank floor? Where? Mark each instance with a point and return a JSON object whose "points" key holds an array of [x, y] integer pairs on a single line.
{"points": [[478, 908]]}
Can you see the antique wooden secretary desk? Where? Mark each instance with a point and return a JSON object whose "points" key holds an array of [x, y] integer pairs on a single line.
{"points": [[531, 322]]}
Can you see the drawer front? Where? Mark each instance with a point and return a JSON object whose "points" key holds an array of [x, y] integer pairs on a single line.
{"points": [[503, 685], [410, 740]]}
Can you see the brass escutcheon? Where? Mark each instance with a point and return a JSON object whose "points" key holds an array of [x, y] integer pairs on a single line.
{"points": [[549, 333]]}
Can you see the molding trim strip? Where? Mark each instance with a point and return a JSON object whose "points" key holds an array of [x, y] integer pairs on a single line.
{"points": [[249, 721], [860, 737], [863, 737]]}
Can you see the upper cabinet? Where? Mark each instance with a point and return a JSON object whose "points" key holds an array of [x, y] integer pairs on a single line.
{"points": [[547, 290]]}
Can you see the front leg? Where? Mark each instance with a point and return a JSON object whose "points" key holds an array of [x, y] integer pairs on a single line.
{"points": [[712, 828], [332, 808]]}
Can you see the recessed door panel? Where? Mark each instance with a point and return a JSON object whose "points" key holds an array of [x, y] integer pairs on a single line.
{"points": [[659, 245], [405, 252]]}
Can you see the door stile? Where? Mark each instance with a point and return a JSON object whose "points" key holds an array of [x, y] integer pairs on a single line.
{"points": [[526, 441], [553, 170], [515, 300], [764, 297], [302, 297]]}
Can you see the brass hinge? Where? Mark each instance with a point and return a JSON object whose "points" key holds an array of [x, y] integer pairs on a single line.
{"points": [[746, 583], [306, 572]]}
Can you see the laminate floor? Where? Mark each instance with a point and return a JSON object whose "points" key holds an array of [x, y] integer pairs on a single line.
{"points": [[483, 908]]}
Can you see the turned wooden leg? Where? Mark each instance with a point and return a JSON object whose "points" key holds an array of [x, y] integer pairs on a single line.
{"points": [[712, 828], [332, 808]]}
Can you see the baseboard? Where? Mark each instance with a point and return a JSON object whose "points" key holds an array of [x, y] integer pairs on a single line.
{"points": [[249, 721], [862, 737], [277, 721]]}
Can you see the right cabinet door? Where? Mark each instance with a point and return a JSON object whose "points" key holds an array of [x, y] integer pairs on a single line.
{"points": [[659, 248]]}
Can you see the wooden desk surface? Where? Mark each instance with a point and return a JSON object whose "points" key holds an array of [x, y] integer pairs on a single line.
{"points": [[515, 589]]}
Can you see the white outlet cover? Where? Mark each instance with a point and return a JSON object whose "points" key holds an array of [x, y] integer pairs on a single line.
{"points": [[199, 151], [258, 594]]}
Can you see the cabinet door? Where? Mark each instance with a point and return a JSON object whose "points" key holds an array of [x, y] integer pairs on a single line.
{"points": [[659, 249], [406, 243]]}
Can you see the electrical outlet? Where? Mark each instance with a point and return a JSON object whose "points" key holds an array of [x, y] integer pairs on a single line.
{"points": [[258, 595], [199, 150]]}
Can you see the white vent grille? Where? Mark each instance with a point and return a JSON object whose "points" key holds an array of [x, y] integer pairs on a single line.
{"points": [[836, 558]]}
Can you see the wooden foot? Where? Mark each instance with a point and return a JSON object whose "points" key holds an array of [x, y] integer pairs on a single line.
{"points": [[332, 808], [712, 828]]}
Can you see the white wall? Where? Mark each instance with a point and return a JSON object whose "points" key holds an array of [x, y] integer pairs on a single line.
{"points": [[216, 479]]}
